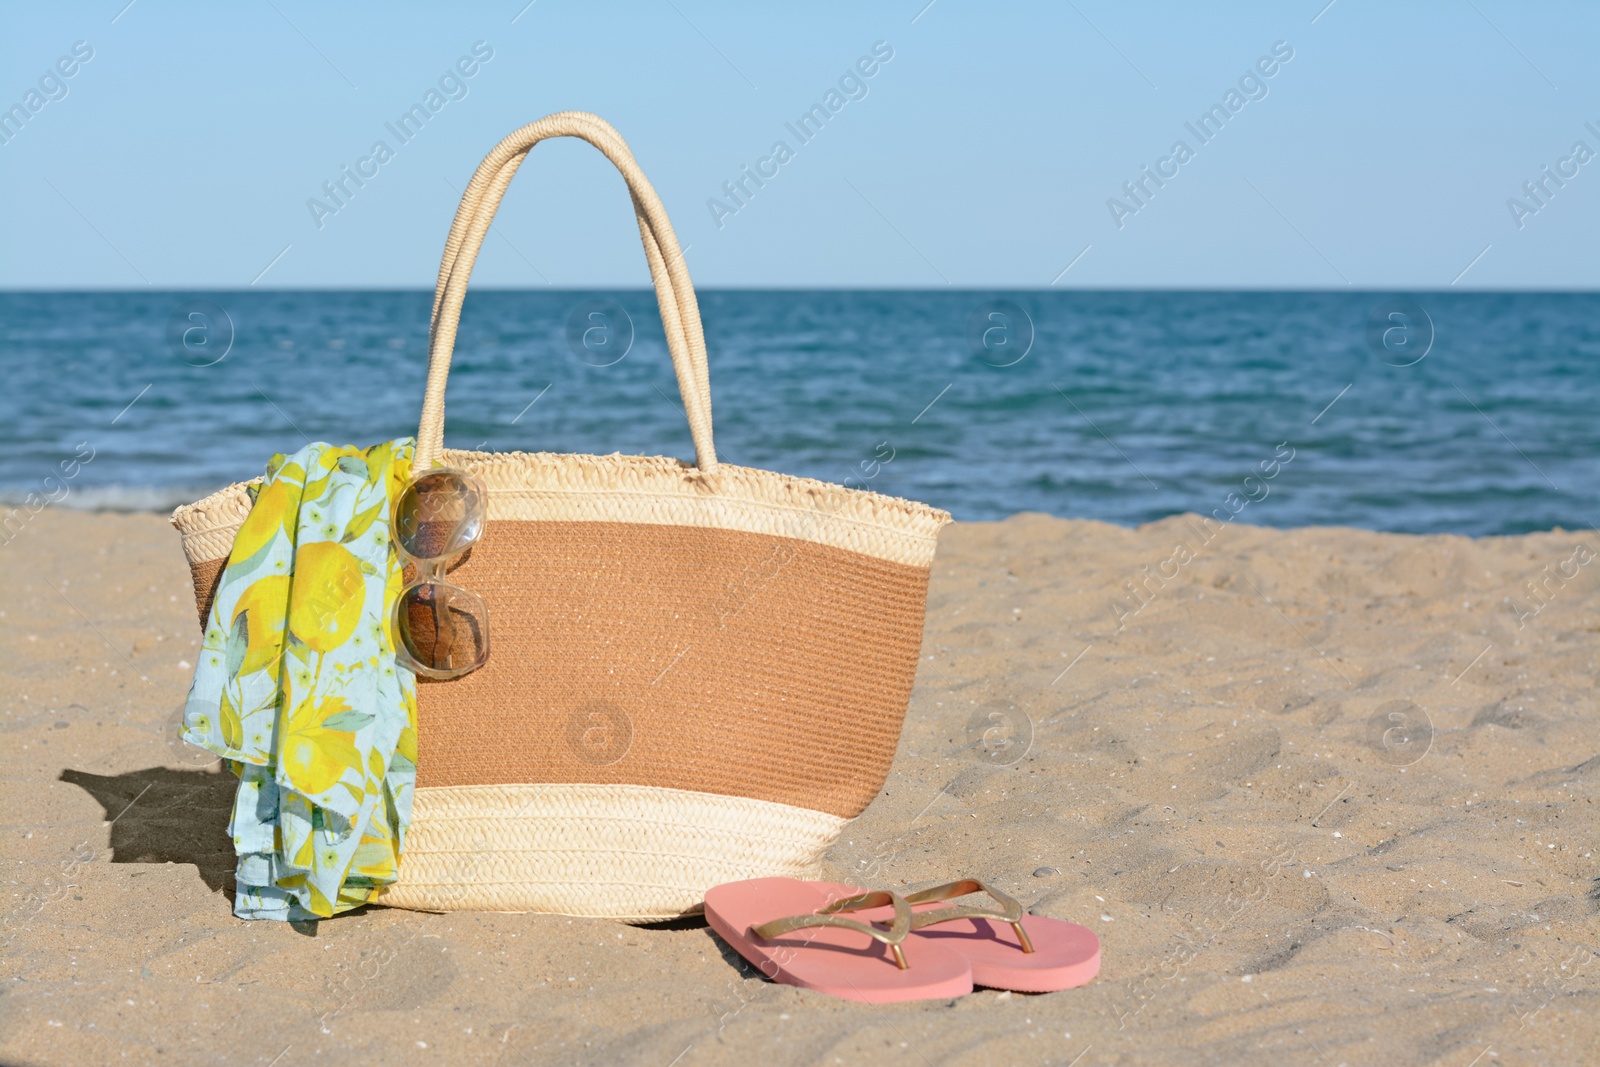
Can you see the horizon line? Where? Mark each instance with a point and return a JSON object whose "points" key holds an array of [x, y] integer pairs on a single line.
{"points": [[1352, 290]]}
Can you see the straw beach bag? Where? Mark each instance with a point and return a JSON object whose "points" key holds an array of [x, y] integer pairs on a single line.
{"points": [[699, 672]]}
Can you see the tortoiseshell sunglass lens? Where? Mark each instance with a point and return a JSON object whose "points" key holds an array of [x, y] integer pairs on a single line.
{"points": [[440, 514], [442, 629]]}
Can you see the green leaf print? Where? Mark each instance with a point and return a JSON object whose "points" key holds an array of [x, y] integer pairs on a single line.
{"points": [[238, 641]]}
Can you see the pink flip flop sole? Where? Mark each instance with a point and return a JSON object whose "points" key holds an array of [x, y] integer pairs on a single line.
{"points": [[843, 963], [1065, 955]]}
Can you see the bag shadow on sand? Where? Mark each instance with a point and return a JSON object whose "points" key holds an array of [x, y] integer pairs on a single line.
{"points": [[163, 815]]}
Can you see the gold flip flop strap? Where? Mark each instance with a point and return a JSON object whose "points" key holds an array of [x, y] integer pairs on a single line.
{"points": [[1010, 908], [829, 916]]}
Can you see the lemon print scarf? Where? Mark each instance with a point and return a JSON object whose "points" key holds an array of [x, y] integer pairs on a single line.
{"points": [[297, 687]]}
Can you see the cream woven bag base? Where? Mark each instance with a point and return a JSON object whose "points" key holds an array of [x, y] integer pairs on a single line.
{"points": [[699, 672]]}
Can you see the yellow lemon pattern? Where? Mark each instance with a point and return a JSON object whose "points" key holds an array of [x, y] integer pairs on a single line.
{"points": [[298, 689], [328, 595]]}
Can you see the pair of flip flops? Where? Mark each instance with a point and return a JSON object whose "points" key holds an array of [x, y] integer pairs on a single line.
{"points": [[881, 947]]}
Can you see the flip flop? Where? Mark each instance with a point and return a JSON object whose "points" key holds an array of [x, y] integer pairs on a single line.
{"points": [[794, 933], [1005, 948]]}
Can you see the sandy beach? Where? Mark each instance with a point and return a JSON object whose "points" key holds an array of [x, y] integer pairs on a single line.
{"points": [[1326, 796]]}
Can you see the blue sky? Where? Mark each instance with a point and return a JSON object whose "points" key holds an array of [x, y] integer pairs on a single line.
{"points": [[984, 153]]}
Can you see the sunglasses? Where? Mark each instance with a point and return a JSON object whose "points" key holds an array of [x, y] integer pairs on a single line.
{"points": [[442, 629]]}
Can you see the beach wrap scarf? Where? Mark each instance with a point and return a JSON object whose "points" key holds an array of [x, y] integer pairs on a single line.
{"points": [[297, 687]]}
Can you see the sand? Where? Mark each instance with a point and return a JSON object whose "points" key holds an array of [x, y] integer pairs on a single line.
{"points": [[1211, 776]]}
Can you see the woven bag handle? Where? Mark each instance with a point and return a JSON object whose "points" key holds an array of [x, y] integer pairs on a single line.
{"points": [[597, 128], [680, 313]]}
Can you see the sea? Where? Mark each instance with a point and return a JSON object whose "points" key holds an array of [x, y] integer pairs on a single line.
{"points": [[1463, 412]]}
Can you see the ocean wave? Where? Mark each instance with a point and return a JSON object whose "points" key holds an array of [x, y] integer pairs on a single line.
{"points": [[140, 498]]}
